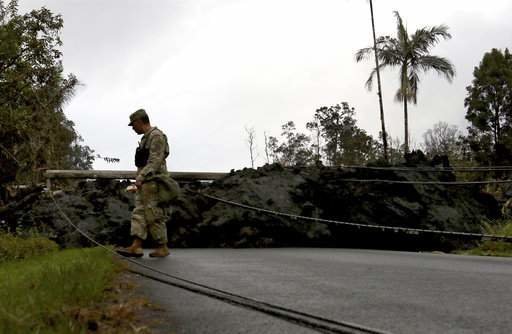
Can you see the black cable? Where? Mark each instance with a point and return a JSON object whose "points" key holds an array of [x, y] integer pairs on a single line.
{"points": [[320, 324], [449, 169], [450, 183], [373, 226]]}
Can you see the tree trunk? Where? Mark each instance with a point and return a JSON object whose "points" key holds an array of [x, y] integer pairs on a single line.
{"points": [[497, 131], [29, 196], [317, 144], [250, 143], [406, 127], [379, 92], [335, 158], [405, 93]]}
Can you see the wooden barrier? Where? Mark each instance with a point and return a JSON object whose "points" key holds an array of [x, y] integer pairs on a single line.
{"points": [[124, 174]]}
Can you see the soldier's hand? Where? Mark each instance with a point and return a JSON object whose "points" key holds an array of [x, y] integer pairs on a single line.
{"points": [[131, 188]]}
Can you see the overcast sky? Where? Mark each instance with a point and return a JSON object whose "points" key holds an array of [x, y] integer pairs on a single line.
{"points": [[206, 69]]}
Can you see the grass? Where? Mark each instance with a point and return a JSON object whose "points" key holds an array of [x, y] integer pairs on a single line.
{"points": [[43, 290], [15, 248], [494, 248]]}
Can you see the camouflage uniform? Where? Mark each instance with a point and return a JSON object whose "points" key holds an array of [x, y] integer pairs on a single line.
{"points": [[148, 215]]}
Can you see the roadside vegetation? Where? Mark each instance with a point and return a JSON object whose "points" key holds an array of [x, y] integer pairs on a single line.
{"points": [[44, 290], [492, 247], [15, 248]]}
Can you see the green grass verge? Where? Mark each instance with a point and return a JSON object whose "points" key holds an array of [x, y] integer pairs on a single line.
{"points": [[42, 293]]}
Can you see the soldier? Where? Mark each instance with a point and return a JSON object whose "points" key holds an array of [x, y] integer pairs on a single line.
{"points": [[148, 215]]}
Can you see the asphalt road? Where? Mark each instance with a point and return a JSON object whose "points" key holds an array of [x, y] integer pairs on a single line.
{"points": [[393, 291]]}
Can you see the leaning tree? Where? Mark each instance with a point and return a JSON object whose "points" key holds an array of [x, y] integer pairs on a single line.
{"points": [[379, 87]]}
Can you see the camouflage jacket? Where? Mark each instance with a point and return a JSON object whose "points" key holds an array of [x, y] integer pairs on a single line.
{"points": [[156, 142]]}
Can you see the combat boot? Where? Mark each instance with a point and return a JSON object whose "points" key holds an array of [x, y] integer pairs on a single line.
{"points": [[161, 251], [135, 250]]}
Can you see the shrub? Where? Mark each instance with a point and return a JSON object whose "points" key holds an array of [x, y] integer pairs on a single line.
{"points": [[492, 247]]}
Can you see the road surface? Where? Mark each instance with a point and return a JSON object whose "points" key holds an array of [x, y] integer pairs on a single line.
{"points": [[397, 292]]}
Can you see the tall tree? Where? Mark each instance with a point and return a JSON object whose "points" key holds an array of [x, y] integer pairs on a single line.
{"points": [[411, 54], [489, 108], [33, 91]]}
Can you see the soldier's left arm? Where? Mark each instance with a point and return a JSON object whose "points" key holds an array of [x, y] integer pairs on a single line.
{"points": [[157, 155]]}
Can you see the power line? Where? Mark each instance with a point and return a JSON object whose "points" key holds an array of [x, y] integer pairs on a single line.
{"points": [[450, 169], [451, 183]]}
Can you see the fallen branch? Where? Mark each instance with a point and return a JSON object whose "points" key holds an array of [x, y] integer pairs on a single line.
{"points": [[29, 197]]}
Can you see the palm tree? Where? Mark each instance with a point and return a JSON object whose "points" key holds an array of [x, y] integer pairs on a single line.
{"points": [[411, 54], [379, 88]]}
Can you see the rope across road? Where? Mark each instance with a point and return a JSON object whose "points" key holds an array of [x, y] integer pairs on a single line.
{"points": [[304, 319]]}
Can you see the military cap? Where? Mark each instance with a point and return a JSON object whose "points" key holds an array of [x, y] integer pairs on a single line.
{"points": [[139, 114]]}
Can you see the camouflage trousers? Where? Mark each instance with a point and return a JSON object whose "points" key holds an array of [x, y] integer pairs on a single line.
{"points": [[148, 216]]}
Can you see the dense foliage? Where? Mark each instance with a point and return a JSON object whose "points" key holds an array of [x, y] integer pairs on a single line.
{"points": [[35, 134], [489, 109], [336, 139]]}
